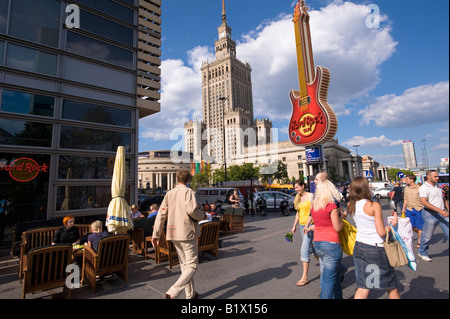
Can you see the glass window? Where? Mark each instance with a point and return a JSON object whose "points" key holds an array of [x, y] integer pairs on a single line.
{"points": [[31, 60], [106, 28], [3, 15], [85, 197], [87, 112], [96, 140], [99, 50], [2, 49], [85, 167], [25, 133], [112, 8], [37, 23], [26, 103]]}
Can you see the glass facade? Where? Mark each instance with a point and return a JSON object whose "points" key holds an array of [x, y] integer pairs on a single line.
{"points": [[67, 101]]}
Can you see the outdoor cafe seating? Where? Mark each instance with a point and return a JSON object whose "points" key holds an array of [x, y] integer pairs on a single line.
{"points": [[45, 268]]}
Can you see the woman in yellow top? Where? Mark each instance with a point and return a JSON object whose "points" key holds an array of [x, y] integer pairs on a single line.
{"points": [[302, 204]]}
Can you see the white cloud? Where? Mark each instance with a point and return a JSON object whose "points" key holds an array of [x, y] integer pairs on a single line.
{"points": [[415, 107], [377, 141]]}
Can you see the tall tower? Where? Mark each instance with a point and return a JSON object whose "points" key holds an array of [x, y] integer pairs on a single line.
{"points": [[227, 103], [227, 96]]}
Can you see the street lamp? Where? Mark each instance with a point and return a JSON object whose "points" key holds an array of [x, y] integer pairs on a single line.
{"points": [[356, 147], [425, 152], [223, 99]]}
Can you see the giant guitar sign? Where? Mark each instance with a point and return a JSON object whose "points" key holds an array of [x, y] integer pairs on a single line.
{"points": [[312, 121]]}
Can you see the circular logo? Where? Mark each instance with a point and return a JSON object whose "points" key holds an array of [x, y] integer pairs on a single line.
{"points": [[307, 125], [25, 169]]}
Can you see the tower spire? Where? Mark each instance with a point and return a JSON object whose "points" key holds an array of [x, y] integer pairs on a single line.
{"points": [[224, 13]]}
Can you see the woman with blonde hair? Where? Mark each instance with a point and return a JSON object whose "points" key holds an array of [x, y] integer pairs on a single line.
{"points": [[327, 224], [369, 249]]}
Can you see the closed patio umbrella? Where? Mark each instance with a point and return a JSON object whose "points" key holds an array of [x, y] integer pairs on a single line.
{"points": [[118, 218]]}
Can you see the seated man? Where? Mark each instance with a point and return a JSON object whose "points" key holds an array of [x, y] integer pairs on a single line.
{"points": [[153, 211]]}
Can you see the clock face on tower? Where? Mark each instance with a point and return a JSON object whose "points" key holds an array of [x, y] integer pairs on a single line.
{"points": [[222, 35]]}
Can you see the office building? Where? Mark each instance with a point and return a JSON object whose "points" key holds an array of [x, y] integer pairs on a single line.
{"points": [[409, 154], [75, 78], [227, 106]]}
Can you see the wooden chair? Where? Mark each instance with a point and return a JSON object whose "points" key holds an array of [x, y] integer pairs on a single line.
{"points": [[83, 229], [45, 268], [34, 238], [237, 221], [111, 258], [168, 249], [137, 241], [209, 239]]}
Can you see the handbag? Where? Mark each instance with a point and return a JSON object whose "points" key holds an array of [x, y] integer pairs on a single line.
{"points": [[347, 237], [394, 251]]}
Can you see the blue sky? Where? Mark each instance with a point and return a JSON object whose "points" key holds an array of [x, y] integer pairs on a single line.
{"points": [[388, 84]]}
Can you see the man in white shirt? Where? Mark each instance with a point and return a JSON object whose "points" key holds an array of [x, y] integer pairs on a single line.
{"points": [[433, 213]]}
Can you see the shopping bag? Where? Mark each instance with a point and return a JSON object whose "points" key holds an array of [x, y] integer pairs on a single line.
{"points": [[394, 250], [404, 228], [347, 237], [409, 255]]}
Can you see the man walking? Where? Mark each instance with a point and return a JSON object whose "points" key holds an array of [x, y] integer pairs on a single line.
{"points": [[433, 213], [412, 206], [182, 212]]}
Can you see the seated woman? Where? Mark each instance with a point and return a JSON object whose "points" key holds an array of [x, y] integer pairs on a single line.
{"points": [[96, 235], [68, 234], [135, 213]]}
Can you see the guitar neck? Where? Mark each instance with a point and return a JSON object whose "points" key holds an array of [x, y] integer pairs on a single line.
{"points": [[305, 58]]}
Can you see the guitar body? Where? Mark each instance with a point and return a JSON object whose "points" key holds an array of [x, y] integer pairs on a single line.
{"points": [[313, 121]]}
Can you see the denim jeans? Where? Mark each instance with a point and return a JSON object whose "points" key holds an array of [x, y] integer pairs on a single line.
{"points": [[430, 221], [330, 255], [307, 247]]}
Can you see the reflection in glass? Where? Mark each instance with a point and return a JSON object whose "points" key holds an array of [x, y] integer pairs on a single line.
{"points": [[26, 103], [85, 197], [3, 15], [25, 133], [99, 50], [96, 140], [87, 112], [37, 23], [2, 49], [106, 28], [31, 60], [84, 167]]}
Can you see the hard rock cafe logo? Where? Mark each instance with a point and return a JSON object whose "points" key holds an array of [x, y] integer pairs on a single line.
{"points": [[307, 124], [23, 169]]}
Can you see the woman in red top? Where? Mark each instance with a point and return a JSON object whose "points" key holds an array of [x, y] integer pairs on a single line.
{"points": [[327, 224]]}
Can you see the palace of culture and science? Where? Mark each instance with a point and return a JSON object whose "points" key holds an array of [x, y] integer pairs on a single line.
{"points": [[227, 106]]}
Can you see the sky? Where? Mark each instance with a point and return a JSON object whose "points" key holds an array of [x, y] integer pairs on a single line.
{"points": [[389, 72]]}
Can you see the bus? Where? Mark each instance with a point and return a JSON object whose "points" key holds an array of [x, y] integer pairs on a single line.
{"points": [[285, 188]]}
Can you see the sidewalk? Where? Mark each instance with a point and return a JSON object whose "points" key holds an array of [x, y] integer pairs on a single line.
{"points": [[256, 264]]}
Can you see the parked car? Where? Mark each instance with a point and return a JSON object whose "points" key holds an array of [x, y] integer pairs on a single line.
{"points": [[382, 192], [274, 198]]}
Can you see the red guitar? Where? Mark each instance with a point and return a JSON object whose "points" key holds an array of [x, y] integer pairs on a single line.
{"points": [[312, 121]]}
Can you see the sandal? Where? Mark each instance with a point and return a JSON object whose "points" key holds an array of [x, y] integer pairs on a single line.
{"points": [[302, 283]]}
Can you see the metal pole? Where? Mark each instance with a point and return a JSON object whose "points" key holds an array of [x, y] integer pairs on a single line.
{"points": [[224, 134]]}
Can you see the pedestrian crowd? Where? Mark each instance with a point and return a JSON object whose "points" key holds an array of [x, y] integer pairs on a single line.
{"points": [[320, 218]]}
